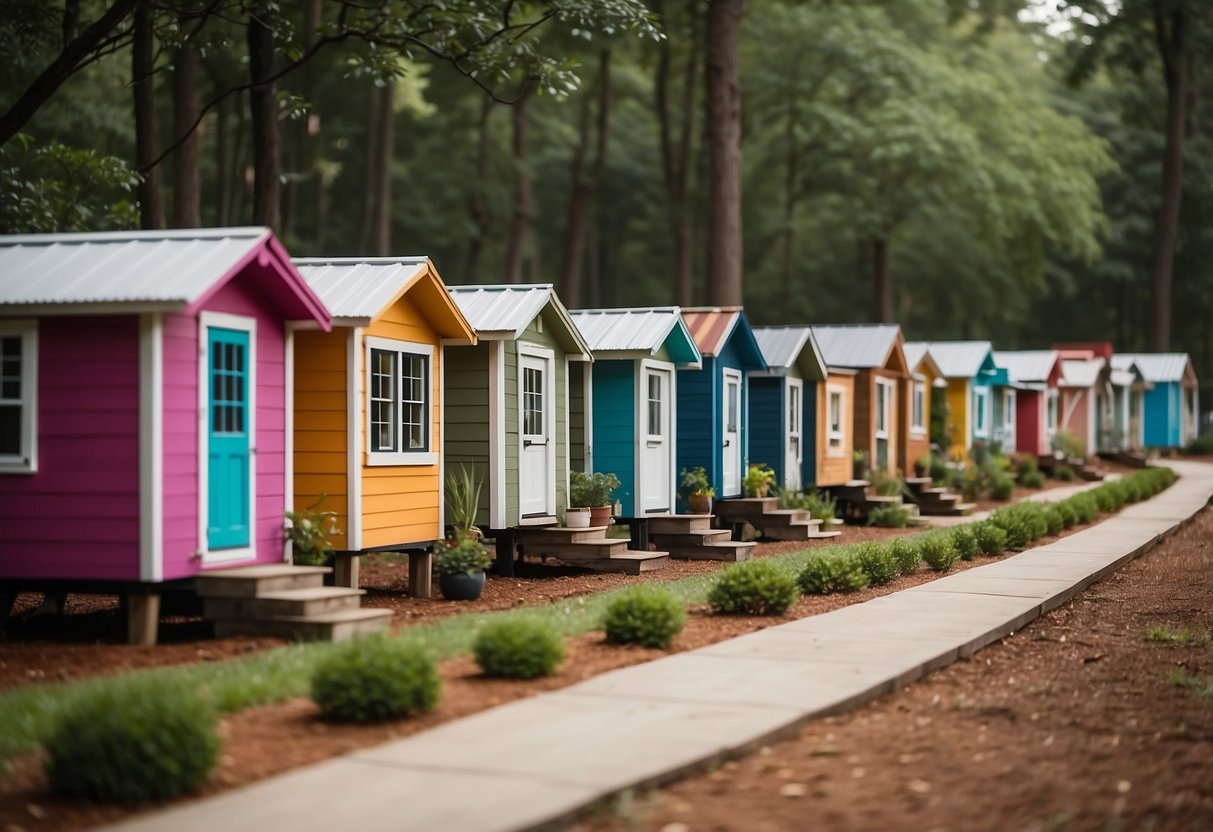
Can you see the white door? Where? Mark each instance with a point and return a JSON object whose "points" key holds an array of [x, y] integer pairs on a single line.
{"points": [[730, 473], [794, 452], [656, 454], [536, 458]]}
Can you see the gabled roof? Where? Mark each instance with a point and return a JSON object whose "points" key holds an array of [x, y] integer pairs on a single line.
{"points": [[505, 311], [1080, 372], [1157, 367], [638, 333], [713, 327], [144, 271], [858, 346], [1028, 367], [358, 290], [920, 360], [962, 359], [786, 346]]}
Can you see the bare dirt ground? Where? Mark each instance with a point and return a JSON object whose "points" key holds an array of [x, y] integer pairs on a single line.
{"points": [[1081, 721]]}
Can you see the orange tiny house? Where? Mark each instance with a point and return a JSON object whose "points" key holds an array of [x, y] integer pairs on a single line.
{"points": [[916, 392], [368, 401]]}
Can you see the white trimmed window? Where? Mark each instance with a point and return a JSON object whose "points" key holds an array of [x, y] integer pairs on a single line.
{"points": [[981, 412], [399, 406], [1008, 409], [18, 390], [835, 413], [884, 405], [918, 409], [1051, 412]]}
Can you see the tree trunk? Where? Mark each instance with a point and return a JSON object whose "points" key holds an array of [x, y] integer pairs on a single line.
{"points": [[263, 101], [584, 185], [147, 139], [300, 162], [187, 200], [478, 206], [593, 265], [724, 152], [223, 171], [240, 177], [524, 202], [882, 293], [1170, 30], [791, 191], [383, 196], [373, 113]]}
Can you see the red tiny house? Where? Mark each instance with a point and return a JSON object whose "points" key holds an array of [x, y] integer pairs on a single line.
{"points": [[1035, 376]]}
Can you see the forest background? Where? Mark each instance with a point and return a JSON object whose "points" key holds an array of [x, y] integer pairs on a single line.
{"points": [[1023, 171]]}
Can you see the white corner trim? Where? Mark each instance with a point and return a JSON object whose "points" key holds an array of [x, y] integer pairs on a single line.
{"points": [[497, 434], [353, 485], [568, 446], [288, 463], [151, 447], [440, 395]]}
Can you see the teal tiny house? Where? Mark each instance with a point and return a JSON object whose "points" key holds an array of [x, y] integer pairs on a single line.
{"points": [[783, 404], [1170, 404], [631, 403], [712, 406]]}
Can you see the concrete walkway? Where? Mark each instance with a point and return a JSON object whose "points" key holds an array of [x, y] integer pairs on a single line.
{"points": [[543, 759]]}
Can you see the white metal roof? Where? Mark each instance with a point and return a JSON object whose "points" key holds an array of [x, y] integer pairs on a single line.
{"points": [[1076, 372], [155, 268], [1026, 366], [1155, 367], [915, 350], [508, 309], [784, 346], [626, 330], [856, 345], [359, 288], [959, 359]]}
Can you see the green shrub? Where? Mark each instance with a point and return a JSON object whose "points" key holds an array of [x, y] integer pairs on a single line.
{"points": [[1026, 465], [1032, 479], [1002, 487], [886, 484], [1018, 534], [1054, 519], [1105, 498], [1064, 473], [819, 504], [1068, 515], [905, 552], [756, 587], [375, 678], [877, 561], [132, 741], [518, 648], [1035, 517], [1085, 506], [1134, 489], [1202, 444], [646, 615], [965, 540], [939, 552], [890, 517], [832, 573], [992, 539], [938, 470]]}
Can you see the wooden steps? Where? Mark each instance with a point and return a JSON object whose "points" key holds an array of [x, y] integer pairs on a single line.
{"points": [[285, 601], [588, 548], [771, 521], [1131, 458], [1082, 470], [691, 537], [936, 501]]}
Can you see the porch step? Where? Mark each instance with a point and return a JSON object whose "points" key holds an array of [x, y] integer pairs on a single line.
{"points": [[698, 537], [743, 508], [252, 581], [331, 626], [311, 601], [730, 551], [552, 535], [799, 532], [600, 554], [1130, 458], [1088, 474], [678, 523], [771, 521]]}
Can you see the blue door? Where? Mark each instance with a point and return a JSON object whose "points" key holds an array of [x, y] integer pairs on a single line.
{"points": [[227, 420]]}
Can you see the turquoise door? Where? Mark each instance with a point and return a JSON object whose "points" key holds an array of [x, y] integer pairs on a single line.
{"points": [[228, 520]]}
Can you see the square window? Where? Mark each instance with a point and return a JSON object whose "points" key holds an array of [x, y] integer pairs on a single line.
{"points": [[398, 402], [18, 419]]}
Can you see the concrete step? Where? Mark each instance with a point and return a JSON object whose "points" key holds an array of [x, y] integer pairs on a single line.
{"points": [[744, 508], [629, 562], [253, 581], [294, 602], [561, 534], [332, 626], [679, 523], [798, 532], [575, 552], [730, 551], [684, 539]]}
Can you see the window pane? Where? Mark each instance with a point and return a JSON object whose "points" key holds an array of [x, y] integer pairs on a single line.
{"points": [[10, 430], [654, 424], [532, 402], [733, 392], [383, 402]]}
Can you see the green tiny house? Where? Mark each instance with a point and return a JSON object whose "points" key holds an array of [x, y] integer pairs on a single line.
{"points": [[507, 403]]}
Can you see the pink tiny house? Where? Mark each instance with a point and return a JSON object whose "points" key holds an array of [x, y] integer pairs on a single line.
{"points": [[144, 415]]}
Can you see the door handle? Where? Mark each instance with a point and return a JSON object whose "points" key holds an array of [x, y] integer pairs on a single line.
{"points": [[727, 442], [527, 443]]}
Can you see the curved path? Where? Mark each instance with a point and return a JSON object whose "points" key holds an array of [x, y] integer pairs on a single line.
{"points": [[544, 759]]}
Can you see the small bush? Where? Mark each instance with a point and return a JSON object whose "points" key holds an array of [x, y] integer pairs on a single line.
{"points": [[756, 587], [938, 469], [1085, 506], [1064, 473], [890, 517], [1054, 519], [646, 615], [1018, 534], [518, 649], [1002, 487], [877, 561], [1035, 517], [375, 678], [991, 539], [1032, 479], [132, 741], [1068, 515], [1106, 498], [1202, 444], [832, 573], [965, 541], [939, 552], [906, 553], [1026, 465], [886, 484]]}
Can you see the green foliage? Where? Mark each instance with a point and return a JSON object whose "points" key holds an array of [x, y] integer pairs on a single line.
{"points": [[645, 615], [1064, 473], [964, 538], [1202, 445], [375, 678], [887, 484], [1018, 535], [756, 587], [1068, 515], [1184, 637], [132, 741], [591, 490], [1002, 487], [463, 491], [938, 551], [1026, 464], [939, 467], [890, 517], [309, 531], [695, 481], [1084, 506], [1106, 498], [906, 553], [992, 539], [1054, 519], [826, 574], [518, 649], [1032, 479], [463, 555], [877, 560], [758, 481], [819, 504], [1068, 445]]}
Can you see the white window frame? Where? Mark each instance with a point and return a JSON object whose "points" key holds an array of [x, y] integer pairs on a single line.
{"points": [[664, 382], [25, 461], [918, 409], [838, 435], [400, 457], [981, 412], [1052, 412], [884, 408], [1008, 408], [796, 420]]}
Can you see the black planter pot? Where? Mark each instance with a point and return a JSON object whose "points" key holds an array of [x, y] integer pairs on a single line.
{"points": [[461, 586]]}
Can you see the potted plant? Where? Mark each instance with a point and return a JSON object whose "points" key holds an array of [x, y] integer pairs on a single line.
{"points": [[922, 465], [309, 531], [758, 482], [592, 491], [463, 501], [698, 490], [859, 464], [577, 517], [461, 563]]}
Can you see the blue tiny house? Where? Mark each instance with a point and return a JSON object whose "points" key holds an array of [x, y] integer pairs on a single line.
{"points": [[1170, 403], [631, 403], [712, 402], [783, 404]]}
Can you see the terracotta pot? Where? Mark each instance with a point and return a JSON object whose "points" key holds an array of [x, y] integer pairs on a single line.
{"points": [[459, 586], [577, 518], [700, 503], [600, 515]]}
